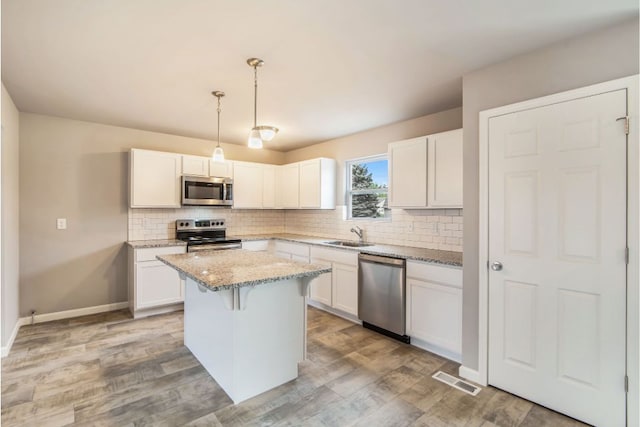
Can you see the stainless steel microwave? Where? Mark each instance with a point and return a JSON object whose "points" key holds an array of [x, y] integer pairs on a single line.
{"points": [[205, 191]]}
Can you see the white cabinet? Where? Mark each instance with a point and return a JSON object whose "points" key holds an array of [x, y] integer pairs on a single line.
{"points": [[426, 172], [292, 251], [288, 185], [247, 185], [444, 169], [269, 186], [195, 165], [154, 179], [408, 173], [222, 170], [317, 184], [257, 245], [338, 289], [154, 287], [434, 308]]}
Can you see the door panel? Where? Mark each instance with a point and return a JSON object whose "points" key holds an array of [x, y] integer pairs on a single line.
{"points": [[557, 221]]}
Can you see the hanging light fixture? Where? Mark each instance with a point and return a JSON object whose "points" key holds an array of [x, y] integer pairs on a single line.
{"points": [[258, 133], [218, 154]]}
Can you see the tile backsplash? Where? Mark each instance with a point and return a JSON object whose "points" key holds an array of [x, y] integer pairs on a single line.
{"points": [[433, 229]]}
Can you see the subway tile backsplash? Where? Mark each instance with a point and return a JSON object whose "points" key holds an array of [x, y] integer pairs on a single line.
{"points": [[433, 229]]}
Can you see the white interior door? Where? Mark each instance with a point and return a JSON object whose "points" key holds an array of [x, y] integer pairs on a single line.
{"points": [[557, 225]]}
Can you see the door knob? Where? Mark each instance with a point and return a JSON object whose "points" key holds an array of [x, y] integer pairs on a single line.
{"points": [[496, 266]]}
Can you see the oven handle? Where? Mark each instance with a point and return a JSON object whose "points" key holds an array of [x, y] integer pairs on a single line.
{"points": [[214, 248]]}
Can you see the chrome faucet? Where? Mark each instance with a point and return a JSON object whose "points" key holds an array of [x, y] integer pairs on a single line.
{"points": [[359, 232]]}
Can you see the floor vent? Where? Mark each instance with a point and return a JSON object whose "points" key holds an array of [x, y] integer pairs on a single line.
{"points": [[457, 383]]}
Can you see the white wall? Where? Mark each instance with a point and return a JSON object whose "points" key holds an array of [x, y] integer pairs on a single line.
{"points": [[592, 58], [10, 216]]}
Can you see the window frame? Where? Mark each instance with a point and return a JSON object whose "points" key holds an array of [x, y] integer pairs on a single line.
{"points": [[349, 192]]}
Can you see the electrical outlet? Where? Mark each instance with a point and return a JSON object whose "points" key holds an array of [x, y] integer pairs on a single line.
{"points": [[410, 226], [61, 223]]}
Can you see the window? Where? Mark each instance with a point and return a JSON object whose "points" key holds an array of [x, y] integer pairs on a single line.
{"points": [[367, 187]]}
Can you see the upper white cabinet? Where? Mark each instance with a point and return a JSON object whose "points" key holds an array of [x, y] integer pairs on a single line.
{"points": [[288, 186], [223, 170], [408, 173], [155, 179], [247, 185], [317, 184], [444, 169], [426, 172], [195, 165], [269, 186]]}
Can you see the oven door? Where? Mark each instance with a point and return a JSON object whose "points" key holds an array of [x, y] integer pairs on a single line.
{"points": [[204, 191], [213, 247]]}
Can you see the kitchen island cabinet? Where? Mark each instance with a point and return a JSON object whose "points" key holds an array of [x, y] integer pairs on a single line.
{"points": [[245, 316]]}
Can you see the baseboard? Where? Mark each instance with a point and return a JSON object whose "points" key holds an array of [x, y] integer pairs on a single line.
{"points": [[67, 314], [345, 316], [470, 374], [431, 348], [7, 348]]}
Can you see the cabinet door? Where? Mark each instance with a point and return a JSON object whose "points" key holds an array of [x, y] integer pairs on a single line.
{"points": [[157, 284], [268, 186], [408, 173], [224, 169], [434, 314], [345, 288], [310, 184], [247, 185], [155, 179], [444, 167], [195, 165], [287, 186], [256, 245], [320, 286]]}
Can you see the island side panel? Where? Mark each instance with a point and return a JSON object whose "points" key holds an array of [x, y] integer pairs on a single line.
{"points": [[254, 347], [269, 337], [208, 333]]}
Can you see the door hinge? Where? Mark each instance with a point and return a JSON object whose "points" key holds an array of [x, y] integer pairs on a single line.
{"points": [[626, 123], [626, 255], [626, 384]]}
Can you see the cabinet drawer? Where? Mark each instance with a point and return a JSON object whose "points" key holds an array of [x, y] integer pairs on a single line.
{"points": [[149, 254], [451, 276], [293, 248], [256, 245], [333, 255]]}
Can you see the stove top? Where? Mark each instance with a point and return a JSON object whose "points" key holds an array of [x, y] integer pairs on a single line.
{"points": [[203, 232]]}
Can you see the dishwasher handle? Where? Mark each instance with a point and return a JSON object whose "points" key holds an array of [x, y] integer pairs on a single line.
{"points": [[381, 260]]}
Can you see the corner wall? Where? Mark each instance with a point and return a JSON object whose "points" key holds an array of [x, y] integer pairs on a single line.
{"points": [[592, 58], [10, 213], [79, 171]]}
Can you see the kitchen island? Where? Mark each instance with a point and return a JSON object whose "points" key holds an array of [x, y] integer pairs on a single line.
{"points": [[245, 316]]}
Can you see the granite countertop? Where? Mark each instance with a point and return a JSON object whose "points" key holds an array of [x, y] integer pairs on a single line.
{"points": [[141, 244], [434, 256], [219, 270]]}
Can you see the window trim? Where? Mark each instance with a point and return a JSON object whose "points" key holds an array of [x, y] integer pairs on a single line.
{"points": [[349, 192]]}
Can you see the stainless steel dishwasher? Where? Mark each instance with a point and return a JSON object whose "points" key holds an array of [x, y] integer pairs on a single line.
{"points": [[381, 295]]}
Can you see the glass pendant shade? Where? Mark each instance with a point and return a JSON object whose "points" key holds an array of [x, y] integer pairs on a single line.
{"points": [[218, 155], [267, 132], [255, 141]]}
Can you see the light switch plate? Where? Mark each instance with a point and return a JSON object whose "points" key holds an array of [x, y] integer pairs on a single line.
{"points": [[61, 223]]}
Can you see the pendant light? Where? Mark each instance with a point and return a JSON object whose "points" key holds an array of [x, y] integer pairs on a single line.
{"points": [[218, 154], [258, 133]]}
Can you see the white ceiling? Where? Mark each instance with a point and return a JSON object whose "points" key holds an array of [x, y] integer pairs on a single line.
{"points": [[332, 67]]}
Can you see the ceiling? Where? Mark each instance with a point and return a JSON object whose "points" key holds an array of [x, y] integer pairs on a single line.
{"points": [[332, 67]]}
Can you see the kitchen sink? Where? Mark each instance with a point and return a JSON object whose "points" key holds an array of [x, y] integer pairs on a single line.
{"points": [[349, 244]]}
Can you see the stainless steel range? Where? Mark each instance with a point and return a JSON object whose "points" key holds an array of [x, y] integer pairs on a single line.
{"points": [[205, 235]]}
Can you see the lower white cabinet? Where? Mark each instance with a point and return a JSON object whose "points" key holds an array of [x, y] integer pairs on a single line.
{"points": [[338, 289], [257, 245], [434, 308], [292, 251], [154, 287]]}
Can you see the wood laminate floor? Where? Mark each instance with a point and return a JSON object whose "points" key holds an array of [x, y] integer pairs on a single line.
{"points": [[111, 370]]}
